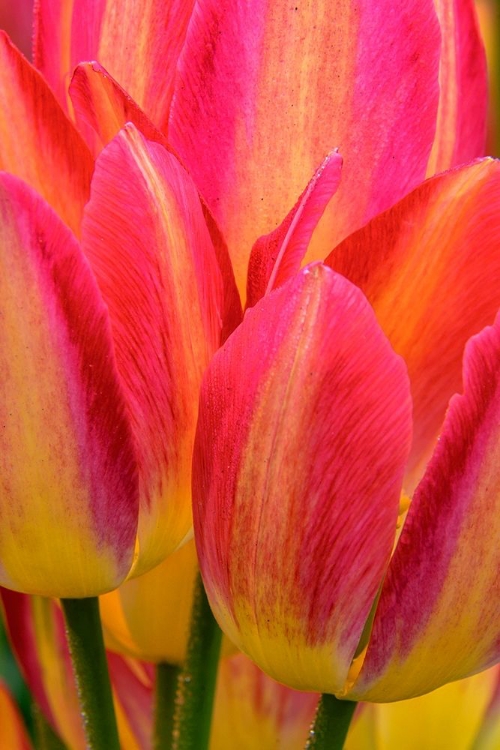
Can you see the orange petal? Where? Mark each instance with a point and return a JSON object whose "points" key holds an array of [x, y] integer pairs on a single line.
{"points": [[430, 268], [37, 141]]}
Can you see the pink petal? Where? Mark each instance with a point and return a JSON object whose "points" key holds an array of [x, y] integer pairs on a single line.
{"points": [[266, 89], [302, 439], [276, 257], [437, 619], [463, 102], [37, 141], [138, 43]]}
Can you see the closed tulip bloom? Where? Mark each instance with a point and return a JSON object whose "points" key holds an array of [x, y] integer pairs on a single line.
{"points": [[103, 344], [307, 453]]}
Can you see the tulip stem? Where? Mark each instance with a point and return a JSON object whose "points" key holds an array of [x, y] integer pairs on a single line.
{"points": [[331, 724], [165, 694], [199, 676], [86, 645]]}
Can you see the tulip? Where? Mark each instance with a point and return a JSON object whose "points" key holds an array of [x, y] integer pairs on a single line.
{"points": [[107, 463], [403, 110], [212, 83], [304, 455]]}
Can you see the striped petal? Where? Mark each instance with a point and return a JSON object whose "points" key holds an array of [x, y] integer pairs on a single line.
{"points": [[266, 89], [276, 257], [253, 711], [36, 632], [437, 619], [463, 82], [13, 734], [302, 440], [37, 141], [430, 267], [69, 500], [147, 241], [102, 108], [138, 42]]}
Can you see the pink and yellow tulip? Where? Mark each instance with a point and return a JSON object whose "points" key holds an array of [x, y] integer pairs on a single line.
{"points": [[301, 459], [320, 414], [100, 362]]}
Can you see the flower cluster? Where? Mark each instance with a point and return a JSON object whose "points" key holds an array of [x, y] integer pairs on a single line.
{"points": [[249, 291]]}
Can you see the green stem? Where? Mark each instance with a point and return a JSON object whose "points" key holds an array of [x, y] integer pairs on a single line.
{"points": [[165, 694], [83, 628], [199, 676], [331, 724]]}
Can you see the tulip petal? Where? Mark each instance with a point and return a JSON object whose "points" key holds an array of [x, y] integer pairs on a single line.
{"points": [[146, 238], [138, 43], [13, 734], [37, 141], [266, 89], [16, 20], [449, 717], [253, 711], [438, 614], [430, 267], [277, 257], [36, 632], [69, 501], [102, 107], [463, 103], [302, 440], [148, 616]]}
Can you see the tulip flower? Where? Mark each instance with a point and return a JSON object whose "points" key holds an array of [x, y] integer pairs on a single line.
{"points": [[122, 471], [129, 289], [301, 456]]}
